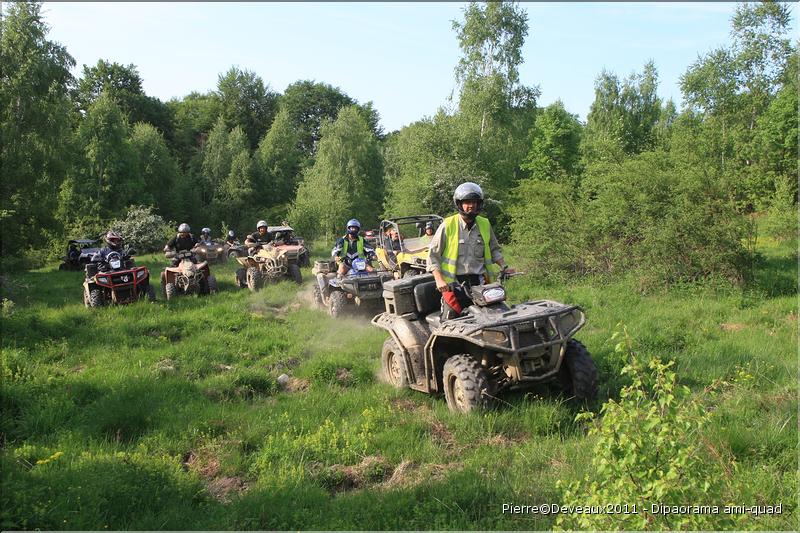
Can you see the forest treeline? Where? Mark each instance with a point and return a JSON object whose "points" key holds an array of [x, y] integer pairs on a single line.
{"points": [[641, 185]]}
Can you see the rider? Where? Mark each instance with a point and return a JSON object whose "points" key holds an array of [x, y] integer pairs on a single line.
{"points": [[205, 236], [113, 244], [258, 239], [351, 246], [181, 242], [428, 235], [231, 238], [464, 251]]}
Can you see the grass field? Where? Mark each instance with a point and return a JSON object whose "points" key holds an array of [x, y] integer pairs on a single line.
{"points": [[169, 416]]}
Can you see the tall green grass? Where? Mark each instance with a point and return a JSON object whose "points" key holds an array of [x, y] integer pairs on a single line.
{"points": [[170, 415]]}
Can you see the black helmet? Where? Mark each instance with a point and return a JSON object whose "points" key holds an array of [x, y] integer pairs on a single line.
{"points": [[468, 191], [114, 240]]}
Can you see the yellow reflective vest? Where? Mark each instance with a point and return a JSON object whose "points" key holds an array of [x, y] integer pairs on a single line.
{"points": [[450, 254]]}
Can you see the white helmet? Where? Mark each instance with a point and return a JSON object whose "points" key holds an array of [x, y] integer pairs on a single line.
{"points": [[184, 228], [468, 191], [262, 223]]}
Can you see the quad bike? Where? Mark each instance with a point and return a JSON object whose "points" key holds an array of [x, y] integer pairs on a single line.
{"points": [[268, 264], [489, 349], [212, 253], [295, 247], [408, 256], [235, 250], [358, 288], [79, 254], [117, 281], [187, 277]]}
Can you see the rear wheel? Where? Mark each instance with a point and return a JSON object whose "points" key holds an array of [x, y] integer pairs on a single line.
{"points": [[394, 365], [578, 373], [212, 284], [232, 255], [253, 277], [96, 298], [294, 273], [170, 291], [337, 303], [466, 386]]}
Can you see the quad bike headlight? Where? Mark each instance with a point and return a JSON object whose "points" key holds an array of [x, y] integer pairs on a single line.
{"points": [[494, 336], [140, 274], [219, 249], [496, 294], [103, 279]]}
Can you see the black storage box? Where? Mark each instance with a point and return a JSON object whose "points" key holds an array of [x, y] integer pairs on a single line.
{"points": [[398, 294]]}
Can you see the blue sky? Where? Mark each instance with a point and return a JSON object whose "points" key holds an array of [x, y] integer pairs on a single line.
{"points": [[399, 55]]}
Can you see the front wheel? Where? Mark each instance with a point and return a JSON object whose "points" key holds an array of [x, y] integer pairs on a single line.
{"points": [[578, 373], [253, 279], [170, 291], [294, 273], [232, 256], [96, 298], [394, 365], [337, 302], [466, 385], [212, 284]]}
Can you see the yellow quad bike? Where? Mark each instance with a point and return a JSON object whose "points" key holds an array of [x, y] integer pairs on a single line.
{"points": [[407, 255], [268, 264]]}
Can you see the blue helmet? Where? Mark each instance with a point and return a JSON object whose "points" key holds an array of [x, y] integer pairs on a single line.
{"points": [[353, 222]]}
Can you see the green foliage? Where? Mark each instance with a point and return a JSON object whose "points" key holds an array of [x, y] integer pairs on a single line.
{"points": [[157, 168], [650, 215], [124, 84], [143, 229], [308, 105], [346, 180], [35, 121], [108, 178], [649, 447], [277, 160], [246, 102], [555, 151], [623, 116]]}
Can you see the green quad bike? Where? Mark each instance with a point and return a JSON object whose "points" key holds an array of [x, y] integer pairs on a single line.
{"points": [[489, 349]]}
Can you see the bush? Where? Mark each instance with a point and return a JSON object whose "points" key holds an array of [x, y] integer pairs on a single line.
{"points": [[649, 215], [143, 229], [649, 449]]}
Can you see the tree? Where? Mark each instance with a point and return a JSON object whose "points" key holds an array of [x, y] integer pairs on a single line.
{"points": [[108, 176], [491, 39], [623, 116], [194, 115], [277, 161], [246, 102], [555, 149], [733, 86], [158, 169], [35, 118], [124, 84], [346, 180], [309, 104]]}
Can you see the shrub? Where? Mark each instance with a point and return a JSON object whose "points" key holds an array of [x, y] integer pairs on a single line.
{"points": [[649, 449], [649, 214], [143, 229]]}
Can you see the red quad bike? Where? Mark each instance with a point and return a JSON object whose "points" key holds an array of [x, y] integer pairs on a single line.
{"points": [[188, 277], [117, 281]]}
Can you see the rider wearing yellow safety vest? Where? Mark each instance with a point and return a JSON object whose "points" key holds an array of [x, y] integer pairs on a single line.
{"points": [[351, 246], [464, 248]]}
